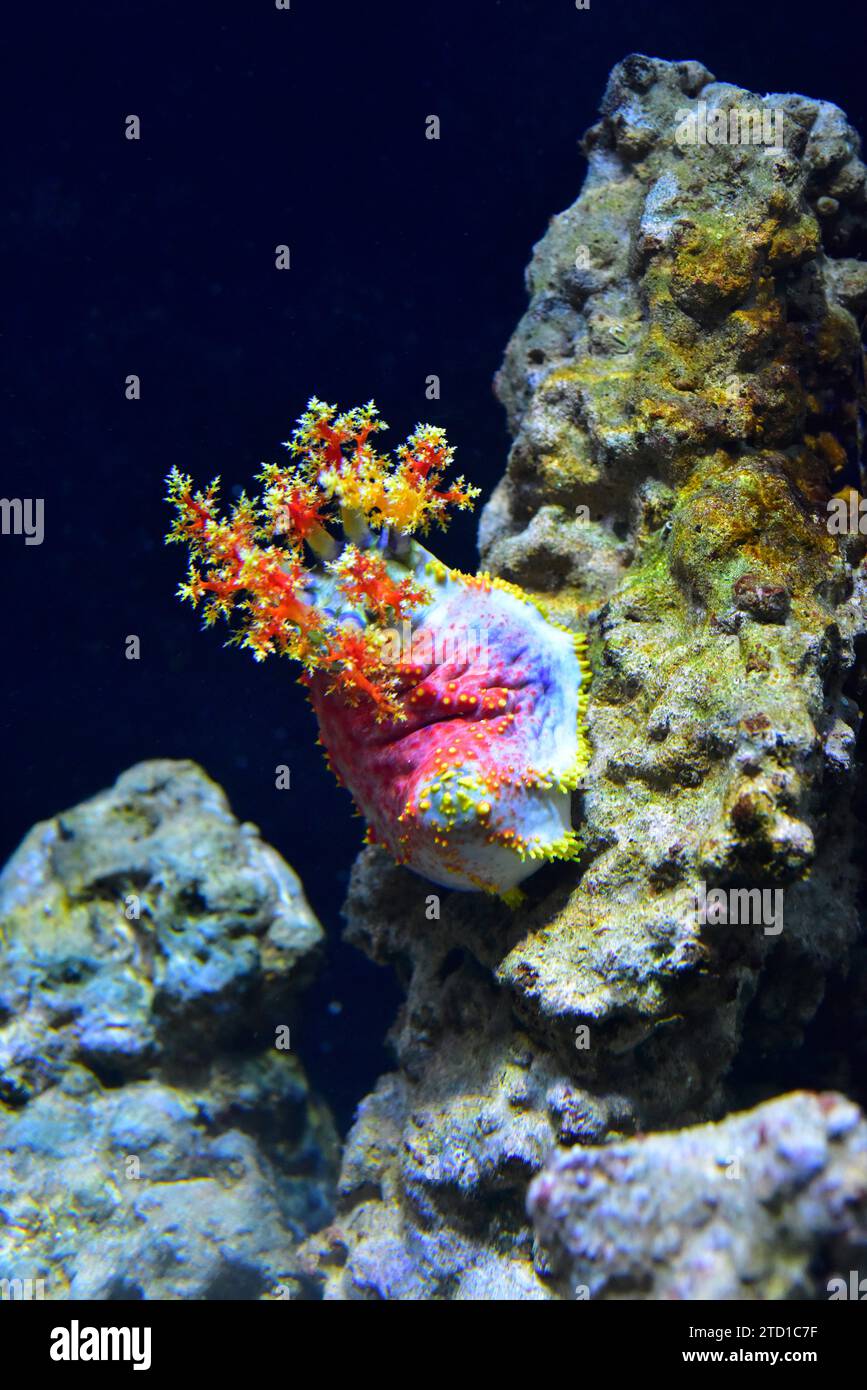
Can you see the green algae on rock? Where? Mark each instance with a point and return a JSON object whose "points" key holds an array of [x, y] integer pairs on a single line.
{"points": [[715, 430]]}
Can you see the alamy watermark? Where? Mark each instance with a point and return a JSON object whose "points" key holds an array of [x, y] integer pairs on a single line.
{"points": [[734, 126], [21, 1290], [23, 516], [847, 515], [77, 1343], [854, 1288], [744, 907], [464, 645]]}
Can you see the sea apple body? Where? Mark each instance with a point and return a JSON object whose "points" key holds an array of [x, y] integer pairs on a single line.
{"points": [[472, 790]]}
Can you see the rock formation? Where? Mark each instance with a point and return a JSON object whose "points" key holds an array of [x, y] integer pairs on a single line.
{"points": [[683, 393]]}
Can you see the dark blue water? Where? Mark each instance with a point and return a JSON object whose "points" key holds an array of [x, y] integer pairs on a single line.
{"points": [[262, 127]]}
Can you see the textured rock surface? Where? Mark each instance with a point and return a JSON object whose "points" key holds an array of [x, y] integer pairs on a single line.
{"points": [[154, 1142], [768, 1204], [683, 394], [698, 399]]}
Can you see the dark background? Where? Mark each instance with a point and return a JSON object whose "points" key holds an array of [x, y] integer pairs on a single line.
{"points": [[262, 127]]}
